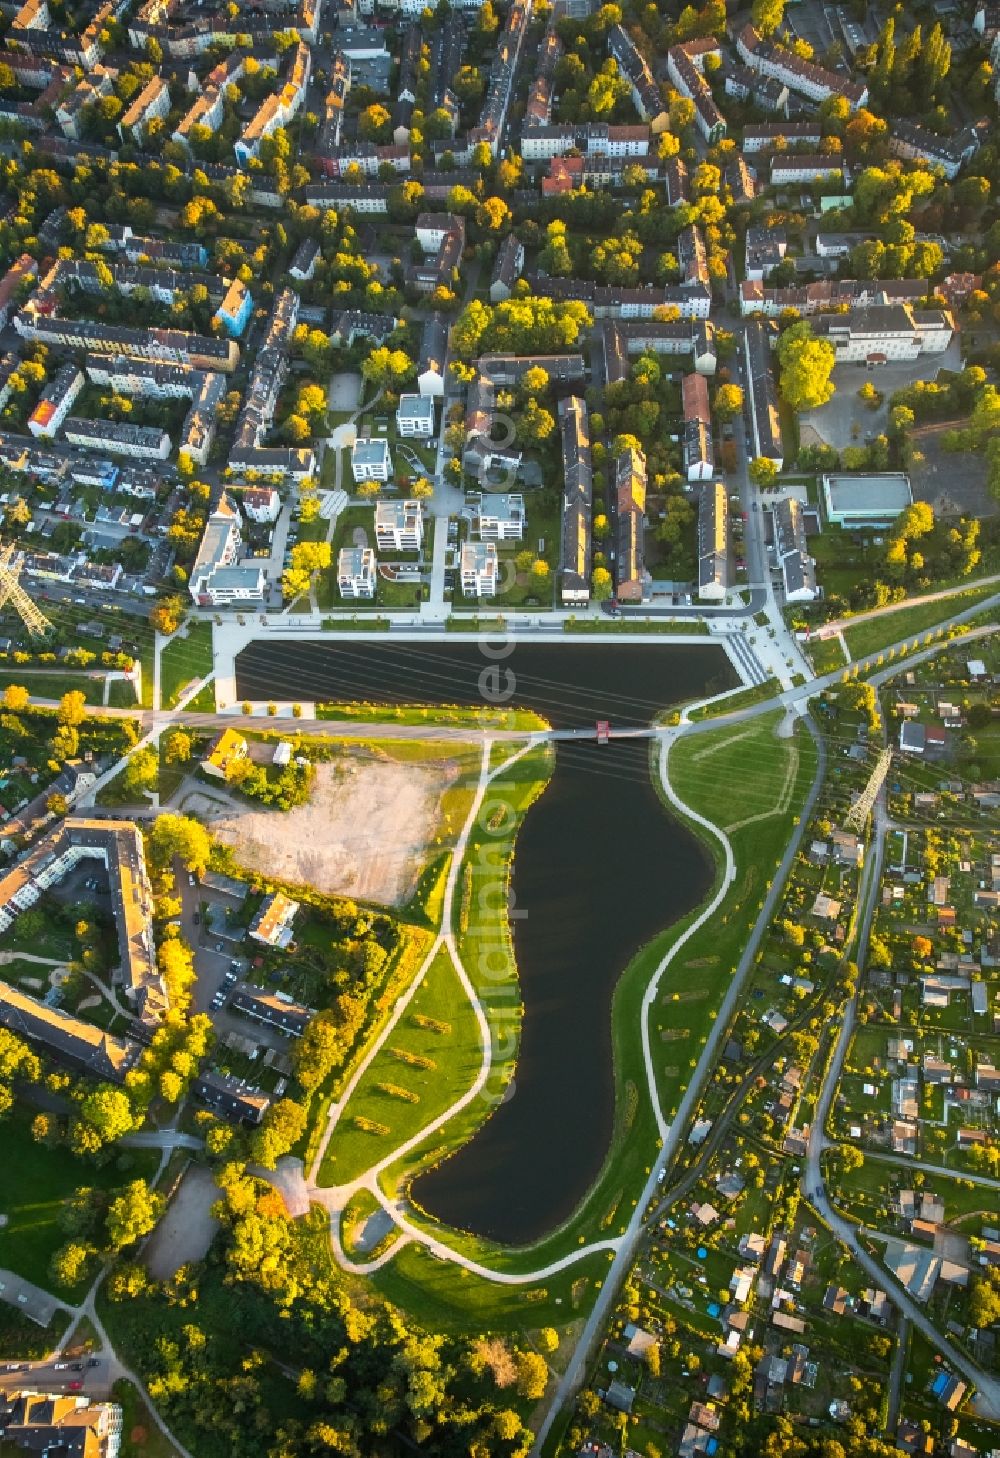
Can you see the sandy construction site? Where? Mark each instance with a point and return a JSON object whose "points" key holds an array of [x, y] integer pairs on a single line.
{"points": [[365, 832]]}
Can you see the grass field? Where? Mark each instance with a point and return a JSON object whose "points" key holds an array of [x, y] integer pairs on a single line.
{"points": [[457, 1053], [741, 699], [447, 1298], [625, 626], [827, 655], [183, 659], [893, 627], [752, 785], [43, 685], [439, 1029], [36, 1182], [448, 714], [141, 1438]]}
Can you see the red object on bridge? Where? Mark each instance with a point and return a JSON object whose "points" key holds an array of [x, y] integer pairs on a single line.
{"points": [[603, 731]]}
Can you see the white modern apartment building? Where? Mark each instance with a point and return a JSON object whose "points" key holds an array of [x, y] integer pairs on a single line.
{"points": [[500, 517], [479, 565], [415, 416], [356, 572], [399, 526], [217, 577], [370, 459]]}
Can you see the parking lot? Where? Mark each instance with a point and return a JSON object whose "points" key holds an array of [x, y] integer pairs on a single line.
{"points": [[845, 420], [219, 961]]}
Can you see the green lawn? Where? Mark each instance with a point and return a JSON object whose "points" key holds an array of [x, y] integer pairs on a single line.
{"points": [[44, 685], [439, 1028], [183, 659], [454, 714], [827, 655], [893, 627], [623, 627], [773, 777], [141, 1438], [51, 940], [36, 1182], [458, 1053], [741, 699], [443, 1297]]}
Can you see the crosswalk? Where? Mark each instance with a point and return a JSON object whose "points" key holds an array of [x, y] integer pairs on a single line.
{"points": [[747, 660]]}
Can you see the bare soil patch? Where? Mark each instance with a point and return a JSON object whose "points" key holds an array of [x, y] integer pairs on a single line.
{"points": [[364, 832]]}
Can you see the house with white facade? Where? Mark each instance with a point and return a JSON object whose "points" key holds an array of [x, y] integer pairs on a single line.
{"points": [[356, 572], [370, 459], [260, 504], [217, 576], [499, 517], [478, 566], [415, 416], [399, 526]]}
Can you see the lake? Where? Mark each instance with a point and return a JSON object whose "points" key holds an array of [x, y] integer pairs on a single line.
{"points": [[599, 869]]}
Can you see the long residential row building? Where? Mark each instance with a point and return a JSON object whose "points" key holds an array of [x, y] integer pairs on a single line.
{"points": [[578, 499], [270, 368], [117, 845]]}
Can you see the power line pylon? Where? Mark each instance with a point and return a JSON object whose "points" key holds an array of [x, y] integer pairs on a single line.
{"points": [[862, 807], [12, 594]]}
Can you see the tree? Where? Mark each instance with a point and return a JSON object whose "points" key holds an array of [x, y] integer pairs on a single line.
{"points": [[133, 1214], [728, 401], [73, 708], [388, 367], [767, 15], [167, 615], [849, 1157], [806, 366], [142, 771], [16, 698], [548, 1339], [281, 1126], [105, 1116], [535, 425], [179, 835], [532, 1375], [374, 123], [762, 472], [70, 1263], [177, 746], [600, 584]]}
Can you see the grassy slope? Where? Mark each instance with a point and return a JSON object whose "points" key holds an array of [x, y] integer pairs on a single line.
{"points": [[453, 1053], [876, 633], [184, 659]]}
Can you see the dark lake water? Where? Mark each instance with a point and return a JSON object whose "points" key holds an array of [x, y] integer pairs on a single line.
{"points": [[599, 869]]}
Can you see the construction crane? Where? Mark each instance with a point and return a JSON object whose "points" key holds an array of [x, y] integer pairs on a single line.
{"points": [[862, 807], [12, 594]]}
